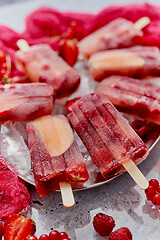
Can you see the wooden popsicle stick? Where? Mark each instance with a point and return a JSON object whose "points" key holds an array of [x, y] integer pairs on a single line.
{"points": [[136, 174], [22, 44], [65, 187], [67, 194], [141, 23]]}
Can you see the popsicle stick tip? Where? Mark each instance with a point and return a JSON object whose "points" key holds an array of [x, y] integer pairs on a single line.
{"points": [[142, 22], [136, 174], [67, 194], [22, 44]]}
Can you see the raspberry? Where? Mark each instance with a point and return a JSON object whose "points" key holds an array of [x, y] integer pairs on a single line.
{"points": [[121, 234], [103, 224]]}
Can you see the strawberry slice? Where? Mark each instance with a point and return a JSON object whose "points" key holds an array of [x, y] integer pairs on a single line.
{"points": [[69, 51], [18, 227]]}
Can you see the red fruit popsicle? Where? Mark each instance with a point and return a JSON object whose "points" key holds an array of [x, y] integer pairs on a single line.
{"points": [[109, 139], [136, 61], [25, 102], [117, 34], [136, 97], [54, 153], [42, 64]]}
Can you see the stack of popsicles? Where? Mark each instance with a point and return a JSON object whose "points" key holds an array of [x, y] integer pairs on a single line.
{"points": [[109, 139]]}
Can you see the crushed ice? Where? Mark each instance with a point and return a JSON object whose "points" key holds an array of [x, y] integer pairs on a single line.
{"points": [[13, 147]]}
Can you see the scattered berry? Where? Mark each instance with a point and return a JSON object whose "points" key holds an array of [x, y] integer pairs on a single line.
{"points": [[121, 234], [63, 235], [54, 235], [103, 224], [69, 51], [44, 237], [153, 192], [150, 192], [156, 199], [154, 183], [31, 238], [18, 225]]}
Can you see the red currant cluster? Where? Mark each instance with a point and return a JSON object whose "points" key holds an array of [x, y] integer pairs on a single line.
{"points": [[53, 235], [153, 192], [104, 224]]}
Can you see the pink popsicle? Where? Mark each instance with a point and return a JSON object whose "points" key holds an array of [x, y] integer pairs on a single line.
{"points": [[117, 34], [25, 102], [54, 152], [137, 61], [136, 97], [41, 64], [107, 136]]}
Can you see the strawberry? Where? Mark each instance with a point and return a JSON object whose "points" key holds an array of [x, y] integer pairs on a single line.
{"points": [[69, 51], [18, 227]]}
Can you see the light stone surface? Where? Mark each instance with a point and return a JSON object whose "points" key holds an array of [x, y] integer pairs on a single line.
{"points": [[120, 198]]}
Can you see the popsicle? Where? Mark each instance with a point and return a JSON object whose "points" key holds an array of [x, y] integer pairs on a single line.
{"points": [[136, 61], [111, 142], [25, 102], [55, 155], [42, 64], [133, 96], [119, 33]]}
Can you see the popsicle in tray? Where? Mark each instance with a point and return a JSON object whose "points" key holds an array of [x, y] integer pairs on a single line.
{"points": [[133, 96], [25, 102], [116, 34], [42, 64], [109, 139], [136, 61], [54, 153]]}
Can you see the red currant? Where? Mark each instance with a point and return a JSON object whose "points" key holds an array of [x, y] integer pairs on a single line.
{"points": [[63, 235], [150, 192], [44, 237], [54, 235], [154, 183], [156, 199], [32, 238]]}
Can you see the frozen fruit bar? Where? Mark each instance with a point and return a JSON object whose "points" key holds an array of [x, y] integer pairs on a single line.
{"points": [[107, 136], [41, 64], [136, 61], [54, 152], [136, 97], [25, 102], [117, 34]]}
